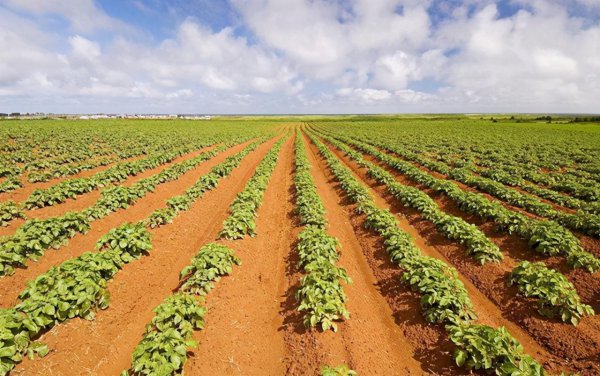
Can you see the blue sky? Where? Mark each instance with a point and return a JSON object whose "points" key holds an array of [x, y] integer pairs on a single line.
{"points": [[299, 56]]}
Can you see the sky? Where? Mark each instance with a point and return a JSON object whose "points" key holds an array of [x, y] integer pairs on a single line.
{"points": [[299, 56]]}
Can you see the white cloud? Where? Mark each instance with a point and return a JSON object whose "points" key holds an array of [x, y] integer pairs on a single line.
{"points": [[25, 56], [196, 57], [365, 95], [83, 15], [216, 60], [311, 55], [541, 59], [395, 71], [327, 40], [84, 48], [369, 96]]}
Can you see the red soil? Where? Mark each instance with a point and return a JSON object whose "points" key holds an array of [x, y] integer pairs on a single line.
{"points": [[11, 286], [86, 200], [246, 304], [253, 326], [107, 342], [579, 345], [22, 193], [371, 341]]}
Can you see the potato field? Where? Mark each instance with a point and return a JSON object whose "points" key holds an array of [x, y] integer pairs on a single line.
{"points": [[347, 245]]}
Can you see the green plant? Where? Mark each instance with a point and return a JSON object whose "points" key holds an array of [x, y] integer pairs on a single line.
{"points": [[443, 296], [129, 240], [556, 295], [179, 203], [210, 263], [10, 210], [544, 236], [161, 217], [314, 244], [483, 347], [341, 370], [309, 206], [15, 339], [241, 222], [35, 236], [163, 349], [477, 244], [321, 295]]}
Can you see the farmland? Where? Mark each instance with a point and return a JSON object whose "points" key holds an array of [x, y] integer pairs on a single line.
{"points": [[402, 245]]}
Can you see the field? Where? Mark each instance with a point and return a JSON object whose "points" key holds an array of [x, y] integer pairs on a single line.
{"points": [[402, 245]]}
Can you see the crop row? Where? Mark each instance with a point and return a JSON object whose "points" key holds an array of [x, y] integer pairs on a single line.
{"points": [[37, 235], [77, 287], [49, 144], [47, 156], [444, 299], [10, 184], [503, 170], [454, 228], [243, 209], [10, 210], [503, 152], [516, 180], [556, 182], [163, 349], [74, 187], [515, 167], [586, 222], [557, 297], [164, 346], [321, 294], [546, 237], [69, 169]]}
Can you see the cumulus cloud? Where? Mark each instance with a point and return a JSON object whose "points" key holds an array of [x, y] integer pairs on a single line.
{"points": [[369, 96], [83, 15], [195, 58], [541, 57], [329, 40], [216, 60], [313, 55]]}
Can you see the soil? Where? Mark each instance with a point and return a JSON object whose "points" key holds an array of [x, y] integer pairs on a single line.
{"points": [[11, 286], [21, 194], [370, 342], [88, 199], [578, 345], [254, 344], [104, 346], [252, 323]]}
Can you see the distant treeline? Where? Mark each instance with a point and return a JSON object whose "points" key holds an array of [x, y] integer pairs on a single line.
{"points": [[577, 119], [586, 119]]}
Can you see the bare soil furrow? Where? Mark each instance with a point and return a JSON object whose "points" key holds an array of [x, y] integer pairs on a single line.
{"points": [[561, 345], [11, 286], [243, 333], [374, 344], [88, 199], [104, 346], [22, 193]]}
